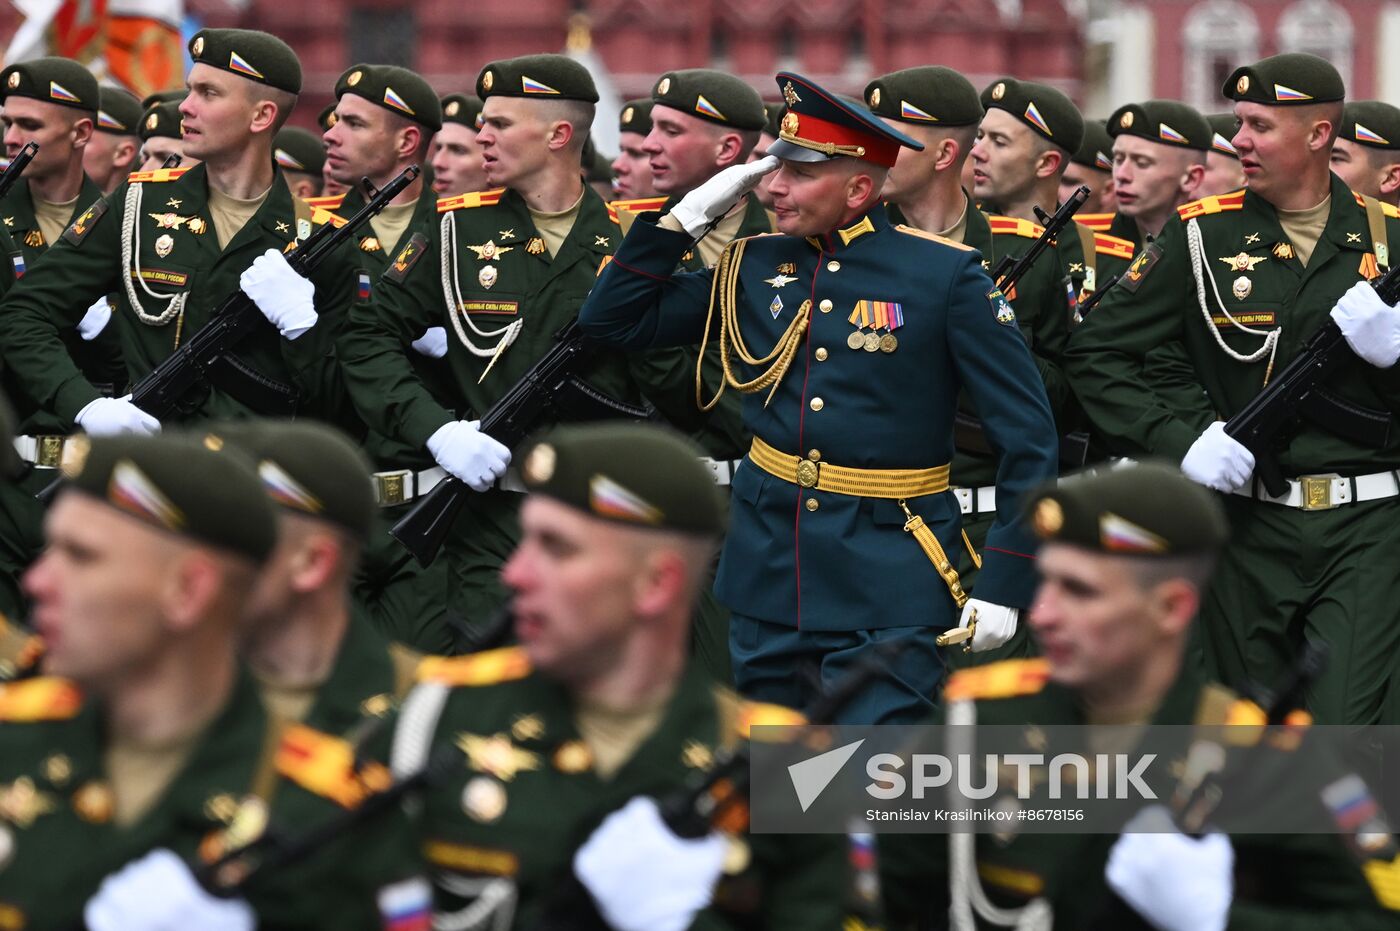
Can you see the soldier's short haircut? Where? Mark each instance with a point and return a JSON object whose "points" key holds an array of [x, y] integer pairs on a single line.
{"points": [[577, 113], [1196, 568], [285, 101]]}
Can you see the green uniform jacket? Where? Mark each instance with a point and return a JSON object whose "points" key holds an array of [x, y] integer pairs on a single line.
{"points": [[1239, 232], [86, 263], [528, 796]]}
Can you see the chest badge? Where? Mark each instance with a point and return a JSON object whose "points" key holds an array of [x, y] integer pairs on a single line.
{"points": [[780, 280], [488, 250], [1244, 262], [197, 226], [776, 307], [487, 276], [1242, 287], [169, 221], [1353, 237], [601, 241], [21, 803], [573, 757], [1251, 239], [496, 755], [484, 799], [535, 246], [1283, 250], [165, 244], [870, 318]]}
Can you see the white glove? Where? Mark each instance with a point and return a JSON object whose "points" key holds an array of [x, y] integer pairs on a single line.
{"points": [[642, 876], [1371, 326], [995, 623], [717, 196], [433, 342], [1218, 461], [95, 320], [1175, 882], [108, 416], [468, 454], [158, 893], [285, 298]]}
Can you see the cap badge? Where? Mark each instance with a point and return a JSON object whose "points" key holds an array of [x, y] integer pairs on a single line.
{"points": [[999, 91], [1049, 517], [197, 48], [663, 87], [1242, 84], [875, 97], [354, 78], [13, 82], [790, 94], [487, 80], [1126, 120], [452, 108], [539, 465], [789, 124], [153, 121]]}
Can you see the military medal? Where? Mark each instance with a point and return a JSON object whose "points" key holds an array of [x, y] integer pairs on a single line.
{"points": [[164, 244], [487, 276], [889, 342], [1283, 250], [573, 757], [1244, 262], [779, 280], [489, 250], [369, 244], [168, 221], [856, 339], [496, 755], [877, 315], [95, 802], [1241, 287], [484, 799], [871, 342]]}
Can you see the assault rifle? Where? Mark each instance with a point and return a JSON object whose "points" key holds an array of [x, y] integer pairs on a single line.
{"points": [[1011, 269], [17, 166]]}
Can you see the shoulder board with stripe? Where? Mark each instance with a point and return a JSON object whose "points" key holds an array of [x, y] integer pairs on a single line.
{"points": [[328, 202], [486, 668], [1007, 679], [325, 765], [1098, 222], [1105, 244], [157, 175], [1014, 226], [1218, 203], [1390, 210], [911, 231], [42, 699], [639, 205], [751, 714], [473, 199], [322, 215], [19, 649]]}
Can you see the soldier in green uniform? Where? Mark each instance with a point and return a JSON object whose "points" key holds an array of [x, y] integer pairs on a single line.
{"points": [[851, 368], [161, 137], [1366, 152], [455, 157], [1242, 280], [1159, 160], [520, 259], [1223, 171], [111, 153], [301, 155], [385, 119], [632, 167], [173, 243], [20, 648], [1091, 165], [600, 711]]}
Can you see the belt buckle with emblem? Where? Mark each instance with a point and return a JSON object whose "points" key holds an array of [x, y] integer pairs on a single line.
{"points": [[1317, 492], [808, 473], [48, 451], [391, 487]]}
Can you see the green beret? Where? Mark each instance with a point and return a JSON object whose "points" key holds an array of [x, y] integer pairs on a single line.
{"points": [[308, 468], [635, 117], [638, 474], [1169, 122], [1223, 127], [1096, 151], [326, 118], [296, 149], [464, 109], [775, 113], [1047, 111], [1371, 123], [118, 112], [933, 95], [544, 77], [179, 483], [257, 56], [162, 120], [1282, 80], [54, 80], [713, 96], [174, 95], [1144, 510], [396, 89]]}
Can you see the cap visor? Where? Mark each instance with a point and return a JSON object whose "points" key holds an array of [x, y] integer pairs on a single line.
{"points": [[796, 153]]}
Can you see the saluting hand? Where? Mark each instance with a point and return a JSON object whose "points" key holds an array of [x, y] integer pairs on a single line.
{"points": [[717, 196], [285, 298]]}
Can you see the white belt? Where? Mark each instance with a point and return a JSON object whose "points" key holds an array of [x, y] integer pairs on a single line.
{"points": [[46, 452], [400, 485], [1324, 492], [722, 469], [977, 500]]}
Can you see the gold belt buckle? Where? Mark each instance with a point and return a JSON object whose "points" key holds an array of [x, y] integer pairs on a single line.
{"points": [[808, 473], [1317, 492], [48, 451], [391, 487]]}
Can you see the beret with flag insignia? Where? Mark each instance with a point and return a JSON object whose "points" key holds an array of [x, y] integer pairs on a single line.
{"points": [[1223, 127], [1371, 123], [464, 109], [257, 56], [933, 95], [1149, 509], [1096, 151], [297, 149], [1169, 122], [542, 77], [635, 117], [713, 96], [118, 112], [307, 468], [1045, 110], [162, 120], [174, 95], [180, 483], [53, 80], [396, 89], [819, 125], [1286, 80], [638, 474]]}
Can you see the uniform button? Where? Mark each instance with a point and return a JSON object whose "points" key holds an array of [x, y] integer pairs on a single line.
{"points": [[812, 504], [815, 455], [833, 266], [817, 404], [825, 306], [821, 353]]}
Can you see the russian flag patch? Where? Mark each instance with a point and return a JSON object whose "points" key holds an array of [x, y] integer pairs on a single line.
{"points": [[58, 92], [705, 108], [407, 905], [1366, 135], [18, 262], [910, 112], [392, 98], [364, 286], [238, 65], [1033, 115], [530, 86], [1170, 135], [1287, 93]]}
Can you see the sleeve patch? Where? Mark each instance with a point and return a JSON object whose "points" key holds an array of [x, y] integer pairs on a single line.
{"points": [[1137, 271], [80, 228], [1005, 313], [407, 258]]}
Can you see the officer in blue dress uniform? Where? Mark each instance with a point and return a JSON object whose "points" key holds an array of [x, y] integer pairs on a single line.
{"points": [[850, 339]]}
